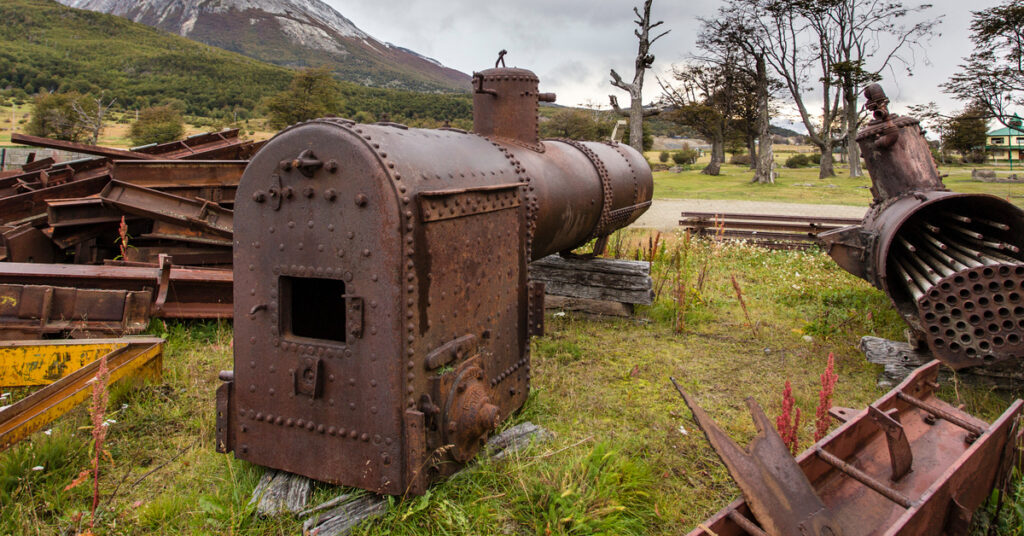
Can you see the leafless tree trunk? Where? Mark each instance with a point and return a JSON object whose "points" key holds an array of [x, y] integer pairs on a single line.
{"points": [[92, 120], [644, 60], [764, 172]]}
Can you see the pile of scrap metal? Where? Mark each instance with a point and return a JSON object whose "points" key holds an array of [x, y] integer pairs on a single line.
{"points": [[175, 200], [907, 464], [951, 263]]}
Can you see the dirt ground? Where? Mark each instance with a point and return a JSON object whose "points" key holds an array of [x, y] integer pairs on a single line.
{"points": [[664, 213]]}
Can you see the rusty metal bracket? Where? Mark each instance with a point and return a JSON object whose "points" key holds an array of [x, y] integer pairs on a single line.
{"points": [[308, 376], [450, 351], [900, 456]]}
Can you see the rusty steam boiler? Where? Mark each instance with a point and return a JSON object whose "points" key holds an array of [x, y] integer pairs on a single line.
{"points": [[950, 262], [382, 312]]}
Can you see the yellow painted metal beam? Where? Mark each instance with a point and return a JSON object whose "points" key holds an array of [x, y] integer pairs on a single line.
{"points": [[32, 363], [132, 357]]}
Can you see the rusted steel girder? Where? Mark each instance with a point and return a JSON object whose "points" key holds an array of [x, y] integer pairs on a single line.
{"points": [[35, 311], [203, 216], [951, 263], [909, 464], [382, 311], [177, 292], [74, 147], [174, 174], [129, 358]]}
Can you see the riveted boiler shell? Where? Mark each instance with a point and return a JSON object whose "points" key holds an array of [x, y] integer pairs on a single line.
{"points": [[568, 188]]}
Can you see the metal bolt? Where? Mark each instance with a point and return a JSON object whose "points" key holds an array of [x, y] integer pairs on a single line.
{"points": [[258, 197], [361, 200]]}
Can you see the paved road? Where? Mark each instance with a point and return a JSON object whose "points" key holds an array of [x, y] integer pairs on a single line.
{"points": [[664, 213]]}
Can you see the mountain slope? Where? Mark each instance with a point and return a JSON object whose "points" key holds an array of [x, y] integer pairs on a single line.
{"points": [[45, 46], [293, 33]]}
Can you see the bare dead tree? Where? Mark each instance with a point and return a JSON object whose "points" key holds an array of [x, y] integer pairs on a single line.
{"points": [[644, 60], [92, 118], [734, 31]]}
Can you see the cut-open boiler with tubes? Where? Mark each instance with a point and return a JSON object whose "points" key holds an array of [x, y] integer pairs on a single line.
{"points": [[952, 263]]}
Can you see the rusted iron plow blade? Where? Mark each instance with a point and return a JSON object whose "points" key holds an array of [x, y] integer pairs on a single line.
{"points": [[69, 368], [908, 464]]}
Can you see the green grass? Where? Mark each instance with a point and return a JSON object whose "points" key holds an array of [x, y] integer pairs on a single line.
{"points": [[803, 186], [620, 462]]}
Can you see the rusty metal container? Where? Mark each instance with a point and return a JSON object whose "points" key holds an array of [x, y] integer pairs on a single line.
{"points": [[950, 262], [382, 311]]}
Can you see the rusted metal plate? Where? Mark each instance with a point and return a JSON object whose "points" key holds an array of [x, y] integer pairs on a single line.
{"points": [[852, 474], [200, 215], [25, 243], [952, 264], [382, 312]]}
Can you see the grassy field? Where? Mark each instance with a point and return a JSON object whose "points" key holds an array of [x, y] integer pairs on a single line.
{"points": [[626, 458]]}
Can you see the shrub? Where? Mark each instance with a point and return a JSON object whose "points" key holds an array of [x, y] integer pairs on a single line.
{"points": [[798, 161], [157, 124], [663, 157], [740, 159], [976, 157], [686, 155], [815, 158], [54, 116]]}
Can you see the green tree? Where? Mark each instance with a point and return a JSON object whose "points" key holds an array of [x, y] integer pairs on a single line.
{"points": [[313, 93], [576, 124], [993, 75], [965, 131], [157, 124], [54, 116]]}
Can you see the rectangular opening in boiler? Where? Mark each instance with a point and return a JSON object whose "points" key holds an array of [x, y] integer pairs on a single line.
{"points": [[313, 308]]}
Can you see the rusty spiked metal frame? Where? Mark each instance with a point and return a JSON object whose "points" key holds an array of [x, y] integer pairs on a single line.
{"points": [[908, 464]]}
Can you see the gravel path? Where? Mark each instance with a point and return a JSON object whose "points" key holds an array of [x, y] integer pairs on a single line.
{"points": [[664, 213]]}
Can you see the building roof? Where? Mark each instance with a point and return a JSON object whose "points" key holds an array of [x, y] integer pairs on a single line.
{"points": [[1008, 131]]}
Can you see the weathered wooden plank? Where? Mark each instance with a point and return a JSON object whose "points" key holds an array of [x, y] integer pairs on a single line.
{"points": [[608, 266], [616, 280], [642, 297], [900, 359], [281, 492]]}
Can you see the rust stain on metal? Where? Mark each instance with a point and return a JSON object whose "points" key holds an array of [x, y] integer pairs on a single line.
{"points": [[382, 312], [951, 263], [924, 472]]}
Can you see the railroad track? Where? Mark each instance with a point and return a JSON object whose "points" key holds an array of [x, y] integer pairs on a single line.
{"points": [[773, 231]]}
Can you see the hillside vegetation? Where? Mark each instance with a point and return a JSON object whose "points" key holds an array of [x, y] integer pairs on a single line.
{"points": [[47, 47]]}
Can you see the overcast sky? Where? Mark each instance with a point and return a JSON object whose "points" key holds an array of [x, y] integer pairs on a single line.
{"points": [[572, 44]]}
